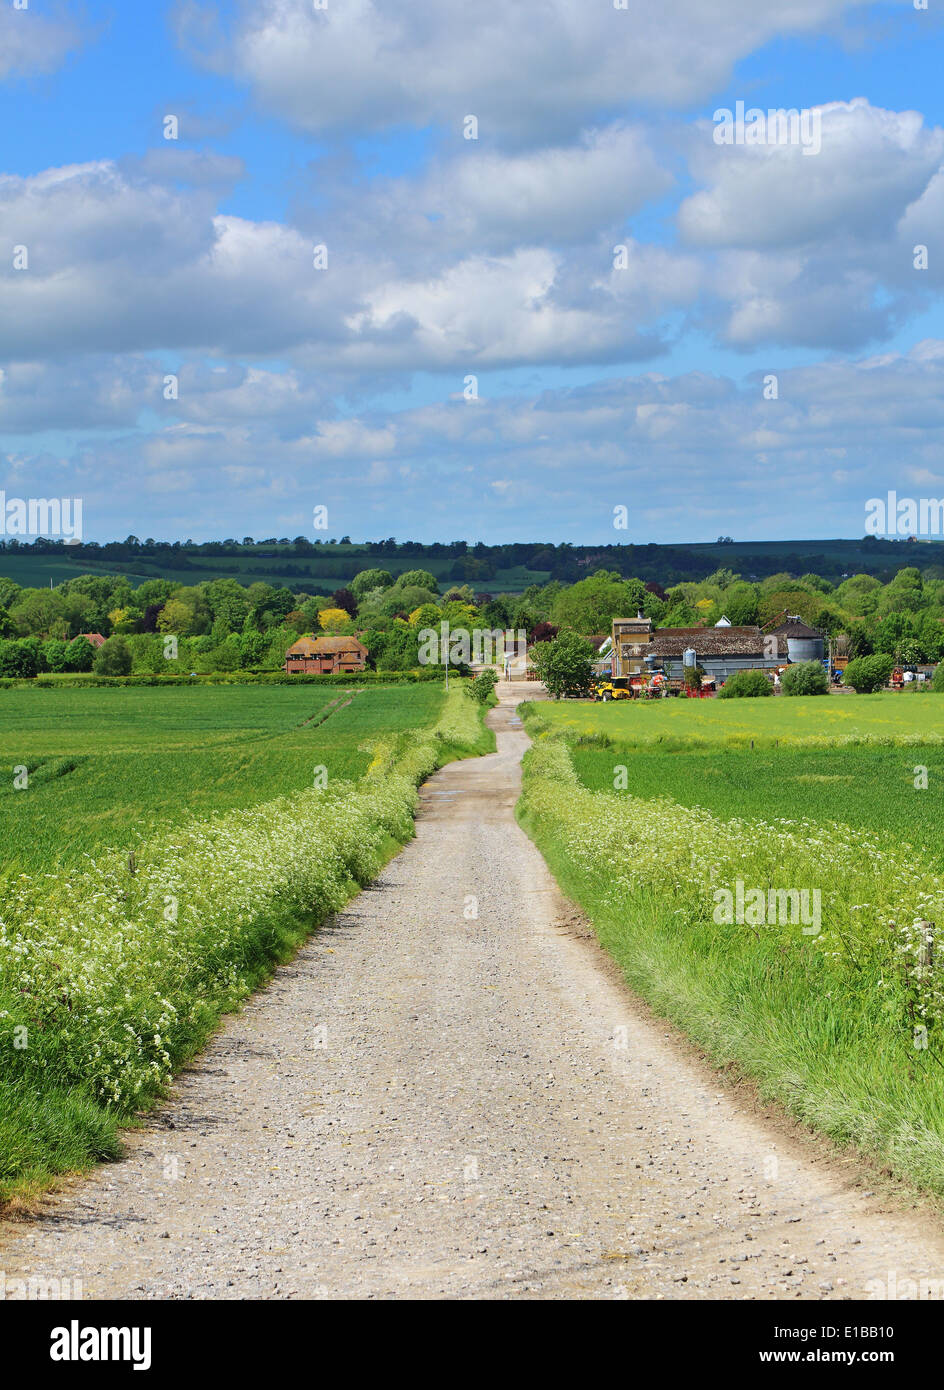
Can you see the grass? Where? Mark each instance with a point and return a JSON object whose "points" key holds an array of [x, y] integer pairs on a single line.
{"points": [[844, 1026], [889, 717], [108, 767], [110, 980], [872, 788]]}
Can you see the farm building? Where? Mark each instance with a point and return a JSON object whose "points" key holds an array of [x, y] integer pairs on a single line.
{"points": [[326, 655], [798, 642], [719, 650], [96, 638]]}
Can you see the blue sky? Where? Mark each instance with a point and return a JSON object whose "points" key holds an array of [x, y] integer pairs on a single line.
{"points": [[464, 268]]}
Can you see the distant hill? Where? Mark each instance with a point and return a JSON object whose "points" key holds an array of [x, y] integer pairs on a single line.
{"points": [[321, 567]]}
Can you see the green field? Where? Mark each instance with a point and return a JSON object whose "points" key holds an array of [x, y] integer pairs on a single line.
{"points": [[649, 813], [109, 766], [870, 788], [113, 970], [890, 717], [313, 574]]}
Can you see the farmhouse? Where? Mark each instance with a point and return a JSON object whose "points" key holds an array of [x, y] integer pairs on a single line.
{"points": [[96, 638], [720, 650], [326, 655]]}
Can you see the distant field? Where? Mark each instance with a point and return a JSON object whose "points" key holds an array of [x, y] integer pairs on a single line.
{"points": [[889, 717], [314, 575], [109, 765]]}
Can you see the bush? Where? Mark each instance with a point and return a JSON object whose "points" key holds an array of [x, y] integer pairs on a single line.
{"points": [[745, 685], [481, 688], [113, 658], [938, 682], [18, 659], [867, 674], [805, 678]]}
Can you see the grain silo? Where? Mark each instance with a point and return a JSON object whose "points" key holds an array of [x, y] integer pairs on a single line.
{"points": [[799, 641]]}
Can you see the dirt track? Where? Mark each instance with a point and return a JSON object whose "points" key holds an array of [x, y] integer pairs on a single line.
{"points": [[433, 1103]]}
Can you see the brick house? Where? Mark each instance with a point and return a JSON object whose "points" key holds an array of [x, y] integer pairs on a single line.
{"points": [[325, 655]]}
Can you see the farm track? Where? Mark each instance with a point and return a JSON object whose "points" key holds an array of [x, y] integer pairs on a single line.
{"points": [[432, 1103]]}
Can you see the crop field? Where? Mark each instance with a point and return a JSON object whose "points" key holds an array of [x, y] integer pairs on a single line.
{"points": [[113, 970], [107, 766], [890, 717], [870, 788], [652, 814]]}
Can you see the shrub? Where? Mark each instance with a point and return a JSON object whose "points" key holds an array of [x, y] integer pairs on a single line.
{"points": [[805, 678], [868, 673], [18, 659], [481, 688], [938, 682], [113, 658], [745, 685]]}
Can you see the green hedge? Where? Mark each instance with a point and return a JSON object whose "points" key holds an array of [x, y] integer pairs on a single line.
{"points": [[47, 681]]}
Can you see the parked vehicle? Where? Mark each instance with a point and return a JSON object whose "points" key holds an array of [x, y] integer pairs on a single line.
{"points": [[617, 688]]}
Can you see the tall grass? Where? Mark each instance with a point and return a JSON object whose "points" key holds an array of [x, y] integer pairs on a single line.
{"points": [[111, 978], [843, 1027]]}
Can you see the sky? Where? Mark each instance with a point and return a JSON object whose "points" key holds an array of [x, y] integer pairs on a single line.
{"points": [[480, 272]]}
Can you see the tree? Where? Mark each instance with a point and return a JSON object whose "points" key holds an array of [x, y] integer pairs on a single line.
{"points": [[590, 605], [564, 664], [113, 658], [805, 678], [745, 685], [229, 604], [343, 598], [81, 655], [417, 579], [333, 619], [866, 674], [56, 654], [367, 580]]}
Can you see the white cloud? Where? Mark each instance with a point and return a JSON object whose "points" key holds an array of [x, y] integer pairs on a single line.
{"points": [[534, 69], [32, 42]]}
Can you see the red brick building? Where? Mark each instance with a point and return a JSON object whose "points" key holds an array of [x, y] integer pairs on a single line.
{"points": [[326, 655]]}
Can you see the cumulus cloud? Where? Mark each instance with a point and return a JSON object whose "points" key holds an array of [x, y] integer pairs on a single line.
{"points": [[872, 164], [565, 456], [532, 70]]}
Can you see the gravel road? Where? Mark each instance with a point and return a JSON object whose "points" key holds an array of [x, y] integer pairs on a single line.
{"points": [[449, 1093]]}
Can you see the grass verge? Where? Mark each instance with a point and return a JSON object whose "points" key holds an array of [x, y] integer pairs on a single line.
{"points": [[843, 1027], [113, 976]]}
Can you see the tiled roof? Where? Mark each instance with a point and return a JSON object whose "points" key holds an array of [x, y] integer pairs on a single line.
{"points": [[708, 641], [326, 645]]}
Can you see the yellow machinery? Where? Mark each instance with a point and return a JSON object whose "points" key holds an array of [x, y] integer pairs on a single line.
{"points": [[617, 688]]}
